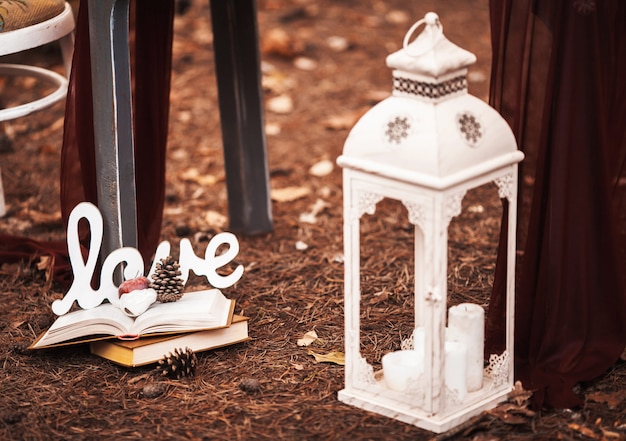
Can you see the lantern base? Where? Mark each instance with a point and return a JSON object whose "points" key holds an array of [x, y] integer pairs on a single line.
{"points": [[437, 423]]}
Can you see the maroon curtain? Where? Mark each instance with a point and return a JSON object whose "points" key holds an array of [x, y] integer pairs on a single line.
{"points": [[151, 55], [559, 79]]}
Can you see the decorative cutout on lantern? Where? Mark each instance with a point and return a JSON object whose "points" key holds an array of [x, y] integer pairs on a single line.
{"points": [[416, 212], [506, 186], [435, 380], [397, 130], [453, 205], [498, 369], [367, 203], [470, 128]]}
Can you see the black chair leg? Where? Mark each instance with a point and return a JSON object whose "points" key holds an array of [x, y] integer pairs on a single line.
{"points": [[237, 64]]}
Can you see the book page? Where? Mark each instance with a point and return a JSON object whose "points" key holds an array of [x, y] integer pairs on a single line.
{"points": [[195, 310], [103, 319], [205, 309]]}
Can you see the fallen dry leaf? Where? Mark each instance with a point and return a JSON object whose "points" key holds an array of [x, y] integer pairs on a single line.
{"points": [[322, 168], [272, 129], [583, 430], [173, 211], [282, 104], [611, 399], [308, 338], [610, 434], [317, 208], [194, 175], [397, 17], [277, 41], [215, 219], [477, 208], [519, 395], [331, 357], [337, 44], [46, 264], [301, 246], [289, 194], [341, 122], [308, 218], [277, 82], [507, 417], [304, 63], [513, 408]]}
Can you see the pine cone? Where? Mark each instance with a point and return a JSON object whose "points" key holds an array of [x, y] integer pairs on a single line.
{"points": [[182, 363], [166, 280]]}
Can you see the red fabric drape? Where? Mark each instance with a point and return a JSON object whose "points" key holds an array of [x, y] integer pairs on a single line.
{"points": [[151, 55], [559, 78]]}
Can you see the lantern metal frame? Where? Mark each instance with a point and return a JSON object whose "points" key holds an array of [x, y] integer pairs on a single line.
{"points": [[432, 201]]}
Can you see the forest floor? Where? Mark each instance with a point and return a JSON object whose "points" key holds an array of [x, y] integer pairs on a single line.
{"points": [[323, 67]]}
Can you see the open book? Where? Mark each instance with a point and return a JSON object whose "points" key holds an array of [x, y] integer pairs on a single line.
{"points": [[208, 309], [148, 350]]}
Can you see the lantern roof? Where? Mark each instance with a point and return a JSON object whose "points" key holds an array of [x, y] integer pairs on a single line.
{"points": [[431, 54], [430, 131]]}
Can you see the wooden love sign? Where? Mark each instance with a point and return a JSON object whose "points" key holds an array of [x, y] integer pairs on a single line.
{"points": [[87, 297]]}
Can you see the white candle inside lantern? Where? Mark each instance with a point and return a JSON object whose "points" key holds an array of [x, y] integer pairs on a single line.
{"points": [[455, 370], [466, 323], [402, 368], [419, 340]]}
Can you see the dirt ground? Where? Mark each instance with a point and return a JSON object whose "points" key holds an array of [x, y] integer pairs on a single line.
{"points": [[323, 66]]}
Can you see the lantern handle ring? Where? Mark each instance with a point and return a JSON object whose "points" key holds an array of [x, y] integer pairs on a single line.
{"points": [[430, 19]]}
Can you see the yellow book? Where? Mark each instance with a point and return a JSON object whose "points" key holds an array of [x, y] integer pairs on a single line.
{"points": [[146, 350], [198, 310]]}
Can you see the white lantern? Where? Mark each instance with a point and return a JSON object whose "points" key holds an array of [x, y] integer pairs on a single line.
{"points": [[426, 146]]}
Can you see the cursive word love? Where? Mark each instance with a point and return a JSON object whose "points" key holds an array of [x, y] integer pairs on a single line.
{"points": [[88, 297]]}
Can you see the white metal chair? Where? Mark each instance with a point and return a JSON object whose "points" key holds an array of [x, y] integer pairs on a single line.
{"points": [[58, 28]]}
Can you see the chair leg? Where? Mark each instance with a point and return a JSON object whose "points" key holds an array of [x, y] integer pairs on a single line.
{"points": [[113, 126], [237, 65]]}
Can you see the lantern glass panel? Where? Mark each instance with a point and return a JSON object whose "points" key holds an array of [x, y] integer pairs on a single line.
{"points": [[473, 238], [386, 279]]}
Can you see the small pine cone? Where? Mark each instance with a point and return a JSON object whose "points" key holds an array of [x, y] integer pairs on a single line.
{"points": [[182, 363], [21, 348], [166, 280]]}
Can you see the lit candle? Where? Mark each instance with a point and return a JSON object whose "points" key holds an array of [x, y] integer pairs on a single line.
{"points": [[402, 368], [467, 325], [455, 370]]}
